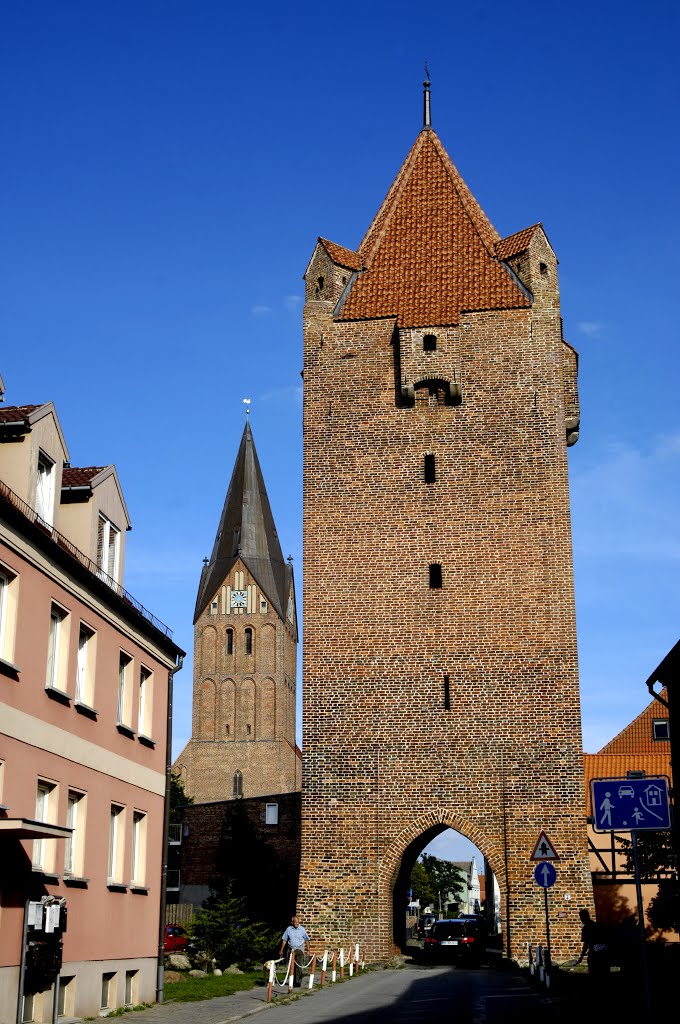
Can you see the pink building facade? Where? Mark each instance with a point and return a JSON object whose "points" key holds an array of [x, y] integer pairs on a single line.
{"points": [[85, 674]]}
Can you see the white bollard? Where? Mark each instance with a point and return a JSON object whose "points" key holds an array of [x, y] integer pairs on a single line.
{"points": [[324, 965], [311, 973], [291, 971], [356, 956], [342, 963], [335, 960]]}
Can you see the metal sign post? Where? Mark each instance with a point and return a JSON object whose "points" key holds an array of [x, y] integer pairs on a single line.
{"points": [[638, 802], [641, 920], [545, 876]]}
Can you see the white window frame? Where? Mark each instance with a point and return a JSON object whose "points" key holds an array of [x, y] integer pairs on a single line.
{"points": [[44, 488], [125, 670], [108, 547], [57, 649], [9, 583], [138, 862], [145, 709], [45, 802], [73, 846], [116, 836], [85, 665], [271, 814]]}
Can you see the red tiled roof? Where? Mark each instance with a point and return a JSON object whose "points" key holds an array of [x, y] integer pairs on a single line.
{"points": [[637, 737], [430, 251], [613, 766], [513, 244], [14, 413], [343, 257], [73, 477]]}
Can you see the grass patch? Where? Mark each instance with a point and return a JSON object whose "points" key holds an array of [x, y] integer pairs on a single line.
{"points": [[190, 990]]}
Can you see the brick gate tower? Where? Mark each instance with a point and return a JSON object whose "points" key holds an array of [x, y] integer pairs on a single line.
{"points": [[440, 668], [245, 643]]}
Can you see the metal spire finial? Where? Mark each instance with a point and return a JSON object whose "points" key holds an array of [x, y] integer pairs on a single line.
{"points": [[427, 114], [246, 402]]}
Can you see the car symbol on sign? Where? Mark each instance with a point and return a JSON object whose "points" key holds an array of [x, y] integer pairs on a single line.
{"points": [[626, 791]]}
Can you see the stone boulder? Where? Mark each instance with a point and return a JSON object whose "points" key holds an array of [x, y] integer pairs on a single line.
{"points": [[179, 961], [171, 976], [217, 972], [233, 969], [198, 974]]}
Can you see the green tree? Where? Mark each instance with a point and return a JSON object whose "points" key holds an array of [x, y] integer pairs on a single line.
{"points": [[420, 884], [433, 878], [178, 798], [656, 854], [445, 878], [226, 933]]}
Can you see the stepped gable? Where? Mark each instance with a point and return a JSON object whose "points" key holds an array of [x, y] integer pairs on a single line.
{"points": [[247, 532], [430, 252]]}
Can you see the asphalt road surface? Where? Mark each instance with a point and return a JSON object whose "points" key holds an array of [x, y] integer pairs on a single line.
{"points": [[417, 993]]}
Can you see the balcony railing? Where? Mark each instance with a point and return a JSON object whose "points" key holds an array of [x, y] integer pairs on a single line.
{"points": [[65, 544], [174, 834]]}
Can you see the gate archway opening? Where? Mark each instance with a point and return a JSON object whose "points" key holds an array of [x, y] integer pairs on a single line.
{"points": [[480, 895]]}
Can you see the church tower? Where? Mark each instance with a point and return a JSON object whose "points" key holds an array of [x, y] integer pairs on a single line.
{"points": [[440, 683], [245, 648]]}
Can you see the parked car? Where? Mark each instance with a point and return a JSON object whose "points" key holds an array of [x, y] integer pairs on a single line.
{"points": [[176, 939], [454, 939]]}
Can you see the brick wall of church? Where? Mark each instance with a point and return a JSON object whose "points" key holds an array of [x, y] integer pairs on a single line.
{"points": [[243, 700], [386, 764]]}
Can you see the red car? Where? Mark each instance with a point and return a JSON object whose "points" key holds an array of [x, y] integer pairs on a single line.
{"points": [[176, 939]]}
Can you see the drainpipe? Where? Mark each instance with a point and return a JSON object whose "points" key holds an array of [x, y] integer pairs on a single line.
{"points": [[160, 971]]}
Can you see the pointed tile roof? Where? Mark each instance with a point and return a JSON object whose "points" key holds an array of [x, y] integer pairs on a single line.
{"points": [[637, 737], [340, 255], [430, 251], [247, 531]]}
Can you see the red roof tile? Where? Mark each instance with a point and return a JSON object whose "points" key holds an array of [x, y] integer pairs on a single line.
{"points": [[637, 737], [430, 251], [73, 477], [343, 257], [513, 244], [14, 413], [616, 766]]}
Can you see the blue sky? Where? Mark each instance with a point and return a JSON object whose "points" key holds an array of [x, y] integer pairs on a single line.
{"points": [[167, 167]]}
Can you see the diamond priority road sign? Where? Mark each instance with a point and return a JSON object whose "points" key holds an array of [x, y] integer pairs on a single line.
{"points": [[624, 805]]}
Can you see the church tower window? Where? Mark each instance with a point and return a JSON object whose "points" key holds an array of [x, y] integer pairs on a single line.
{"points": [[230, 641], [238, 784], [429, 469], [435, 576], [249, 641]]}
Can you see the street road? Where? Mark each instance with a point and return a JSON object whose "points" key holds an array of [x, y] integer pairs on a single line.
{"points": [[436, 995]]}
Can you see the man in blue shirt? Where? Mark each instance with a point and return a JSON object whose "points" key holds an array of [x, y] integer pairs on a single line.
{"points": [[297, 939]]}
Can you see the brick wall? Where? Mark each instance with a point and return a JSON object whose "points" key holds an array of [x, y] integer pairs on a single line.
{"points": [[231, 839], [243, 703], [386, 767]]}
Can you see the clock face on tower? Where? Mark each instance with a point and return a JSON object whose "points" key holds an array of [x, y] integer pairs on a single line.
{"points": [[239, 598]]}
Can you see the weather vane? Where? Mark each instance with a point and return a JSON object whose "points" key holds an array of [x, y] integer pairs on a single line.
{"points": [[246, 402]]}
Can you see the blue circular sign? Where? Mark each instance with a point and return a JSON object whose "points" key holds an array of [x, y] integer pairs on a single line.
{"points": [[545, 874]]}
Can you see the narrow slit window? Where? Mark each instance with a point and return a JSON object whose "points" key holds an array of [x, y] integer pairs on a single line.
{"points": [[238, 784], [435, 576], [230, 641], [249, 641], [430, 343], [447, 694], [430, 470]]}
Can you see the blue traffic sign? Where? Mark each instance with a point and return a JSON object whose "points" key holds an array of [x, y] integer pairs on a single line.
{"points": [[545, 874], [621, 805]]}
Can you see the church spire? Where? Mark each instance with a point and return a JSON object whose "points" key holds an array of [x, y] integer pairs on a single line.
{"points": [[427, 113], [247, 532]]}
